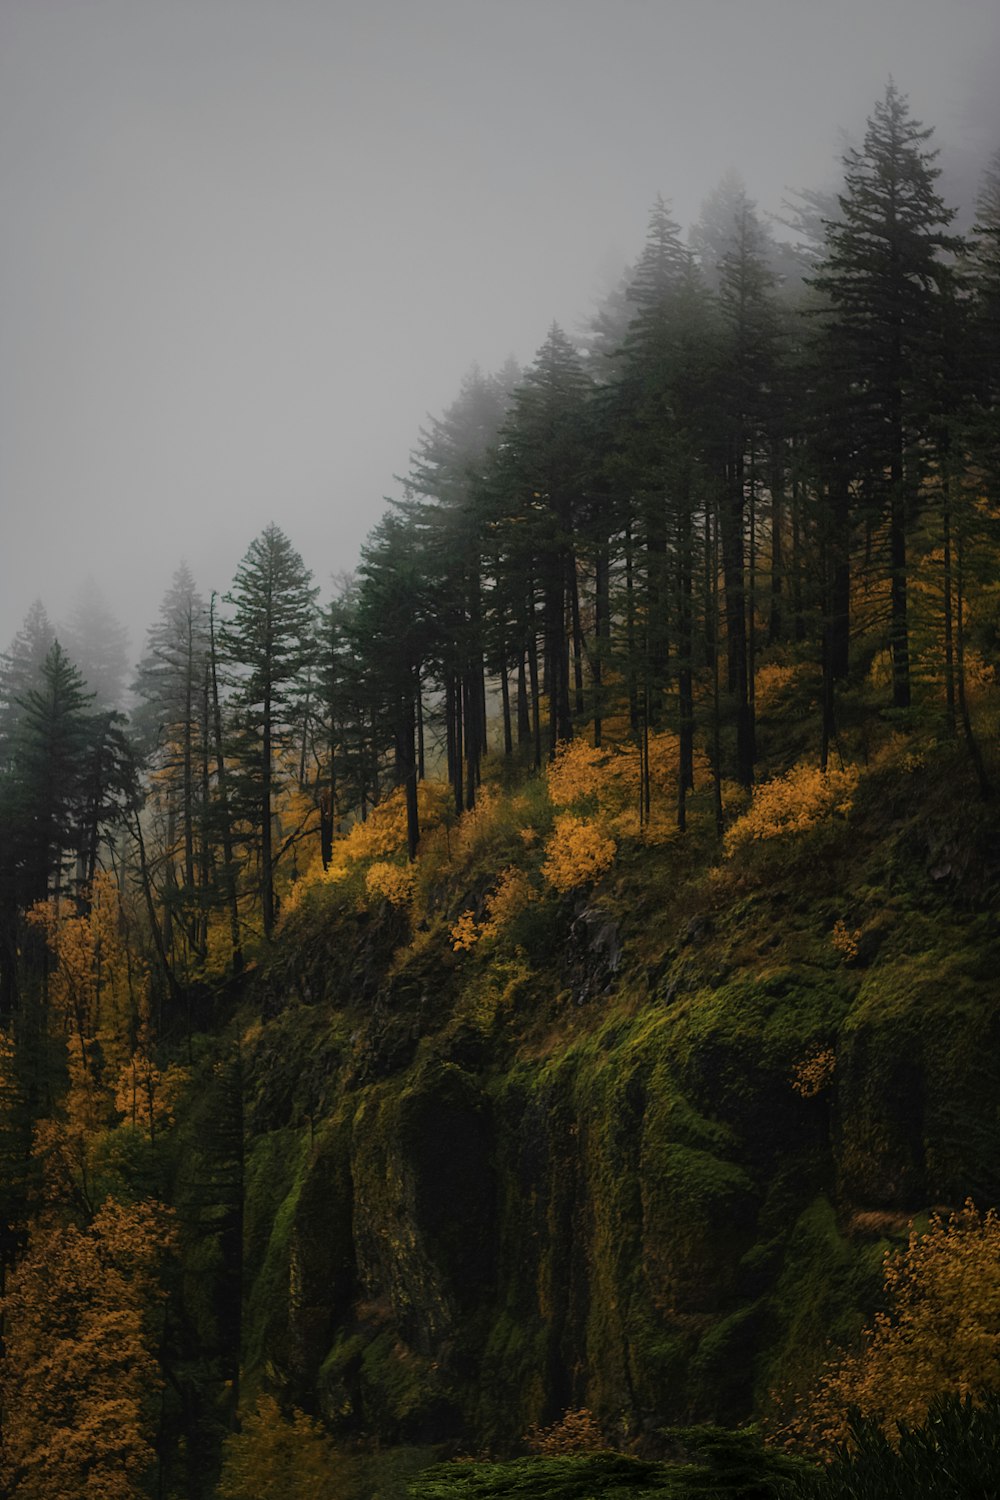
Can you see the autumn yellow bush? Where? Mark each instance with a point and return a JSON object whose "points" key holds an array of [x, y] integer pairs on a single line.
{"points": [[274, 1457], [606, 782], [845, 940], [466, 932], [939, 1334], [383, 832], [577, 853], [801, 799], [575, 1432], [511, 895], [392, 883], [580, 772], [813, 1073]]}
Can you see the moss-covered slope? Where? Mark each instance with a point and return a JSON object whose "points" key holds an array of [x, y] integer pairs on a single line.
{"points": [[644, 1154]]}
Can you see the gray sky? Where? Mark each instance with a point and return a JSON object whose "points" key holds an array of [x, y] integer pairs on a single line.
{"points": [[249, 244]]}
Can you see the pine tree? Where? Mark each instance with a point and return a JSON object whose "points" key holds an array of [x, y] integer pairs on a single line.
{"points": [[171, 721], [98, 644], [268, 644], [20, 671], [391, 625], [451, 522], [539, 481], [51, 763], [882, 275], [748, 381]]}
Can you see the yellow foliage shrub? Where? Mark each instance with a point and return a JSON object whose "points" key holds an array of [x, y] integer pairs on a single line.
{"points": [[812, 1074], [509, 898], [607, 780], [580, 772], [274, 1457], [575, 1432], [392, 883], [466, 932], [845, 941], [477, 826], [940, 1333], [384, 830], [793, 803], [577, 853]]}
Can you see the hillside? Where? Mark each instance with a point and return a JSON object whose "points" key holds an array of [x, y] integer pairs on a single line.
{"points": [[640, 1150]]}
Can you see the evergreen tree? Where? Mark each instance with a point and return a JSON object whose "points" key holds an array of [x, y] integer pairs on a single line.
{"points": [[20, 671], [98, 644], [451, 521], [747, 386], [391, 629], [268, 644], [882, 276], [539, 481], [51, 762], [171, 721]]}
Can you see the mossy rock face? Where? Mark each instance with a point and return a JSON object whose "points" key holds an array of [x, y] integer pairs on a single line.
{"points": [[824, 1280], [322, 1275], [292, 1068], [276, 1168], [473, 1203], [424, 1199], [739, 1047], [331, 952], [918, 1079]]}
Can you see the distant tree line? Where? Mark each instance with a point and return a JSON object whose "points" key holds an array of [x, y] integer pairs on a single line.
{"points": [[760, 451]]}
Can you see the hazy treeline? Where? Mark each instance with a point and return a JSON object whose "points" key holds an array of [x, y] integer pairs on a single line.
{"points": [[762, 455], [761, 450]]}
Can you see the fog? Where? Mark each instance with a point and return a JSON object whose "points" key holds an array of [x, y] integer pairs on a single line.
{"points": [[248, 246]]}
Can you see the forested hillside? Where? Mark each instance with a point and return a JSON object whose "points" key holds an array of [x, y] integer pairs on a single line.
{"points": [[518, 1003]]}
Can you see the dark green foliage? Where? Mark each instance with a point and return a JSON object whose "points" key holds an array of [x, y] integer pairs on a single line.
{"points": [[268, 644], [712, 1464], [605, 1475], [20, 672], [954, 1455]]}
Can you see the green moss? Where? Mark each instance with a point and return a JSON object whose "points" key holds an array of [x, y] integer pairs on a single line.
{"points": [[826, 1288], [275, 1172], [480, 1192]]}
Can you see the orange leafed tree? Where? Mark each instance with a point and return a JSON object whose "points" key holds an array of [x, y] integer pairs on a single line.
{"points": [[79, 1379], [939, 1333]]}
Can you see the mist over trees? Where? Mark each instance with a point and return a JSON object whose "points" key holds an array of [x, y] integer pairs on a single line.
{"points": [[763, 456], [760, 446]]}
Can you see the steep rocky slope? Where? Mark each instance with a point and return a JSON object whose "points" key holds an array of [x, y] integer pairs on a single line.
{"points": [[644, 1154]]}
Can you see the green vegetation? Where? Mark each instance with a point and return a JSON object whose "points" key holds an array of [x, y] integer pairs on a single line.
{"points": [[562, 1077]]}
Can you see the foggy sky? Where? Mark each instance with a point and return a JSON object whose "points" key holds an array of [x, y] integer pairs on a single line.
{"points": [[248, 245]]}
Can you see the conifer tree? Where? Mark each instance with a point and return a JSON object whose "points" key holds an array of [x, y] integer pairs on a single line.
{"points": [[540, 473], [20, 671], [747, 385], [882, 276], [50, 761], [98, 643], [450, 519], [172, 724], [391, 625], [267, 644]]}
